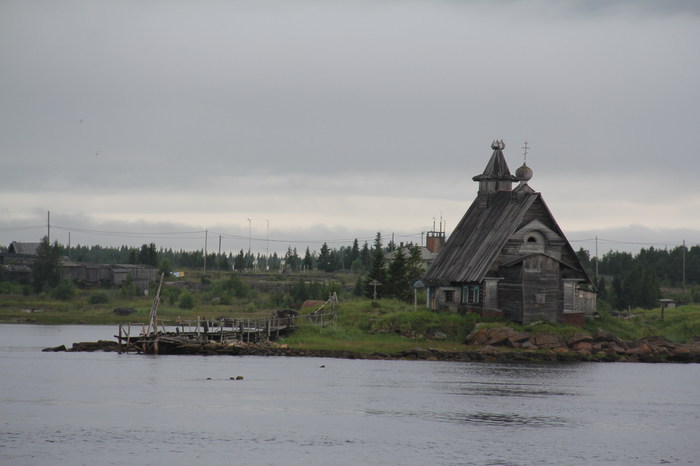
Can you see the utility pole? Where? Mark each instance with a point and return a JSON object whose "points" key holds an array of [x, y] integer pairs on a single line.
{"points": [[596, 257], [206, 235], [683, 265], [267, 246], [250, 238], [48, 226]]}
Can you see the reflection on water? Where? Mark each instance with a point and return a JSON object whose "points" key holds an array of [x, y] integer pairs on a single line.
{"points": [[509, 389], [491, 419], [513, 419], [104, 408]]}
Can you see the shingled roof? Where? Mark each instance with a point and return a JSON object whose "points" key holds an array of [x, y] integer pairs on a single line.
{"points": [[28, 249], [497, 168], [478, 238]]}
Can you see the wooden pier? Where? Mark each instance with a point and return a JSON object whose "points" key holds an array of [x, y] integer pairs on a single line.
{"points": [[135, 337], [156, 338]]}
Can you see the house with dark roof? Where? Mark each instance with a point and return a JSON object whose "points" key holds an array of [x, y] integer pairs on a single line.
{"points": [[16, 264], [507, 256], [20, 253]]}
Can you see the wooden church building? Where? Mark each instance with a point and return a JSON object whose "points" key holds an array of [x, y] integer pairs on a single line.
{"points": [[507, 256]]}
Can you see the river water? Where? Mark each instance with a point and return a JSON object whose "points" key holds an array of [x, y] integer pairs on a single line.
{"points": [[106, 408]]}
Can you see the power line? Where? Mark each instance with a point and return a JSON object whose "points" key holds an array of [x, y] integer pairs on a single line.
{"points": [[639, 243]]}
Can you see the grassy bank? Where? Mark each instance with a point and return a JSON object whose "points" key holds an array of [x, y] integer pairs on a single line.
{"points": [[388, 326]]}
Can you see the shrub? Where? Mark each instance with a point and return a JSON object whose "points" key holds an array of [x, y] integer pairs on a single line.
{"points": [[98, 297], [172, 293], [10, 288], [64, 291], [186, 300]]}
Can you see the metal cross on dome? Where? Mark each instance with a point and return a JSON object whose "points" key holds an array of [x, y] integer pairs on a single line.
{"points": [[525, 149]]}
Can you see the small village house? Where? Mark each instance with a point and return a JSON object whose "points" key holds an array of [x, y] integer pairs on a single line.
{"points": [[507, 256], [18, 260]]}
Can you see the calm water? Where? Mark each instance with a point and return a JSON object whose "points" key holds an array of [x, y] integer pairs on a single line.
{"points": [[105, 408]]}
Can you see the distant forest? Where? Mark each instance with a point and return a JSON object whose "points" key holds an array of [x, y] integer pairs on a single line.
{"points": [[623, 280], [635, 280], [347, 258]]}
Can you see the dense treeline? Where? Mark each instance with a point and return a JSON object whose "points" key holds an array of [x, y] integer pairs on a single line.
{"points": [[623, 279], [346, 258], [627, 280], [387, 278]]}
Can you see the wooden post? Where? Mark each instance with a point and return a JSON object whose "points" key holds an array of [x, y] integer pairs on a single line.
{"points": [[153, 317]]}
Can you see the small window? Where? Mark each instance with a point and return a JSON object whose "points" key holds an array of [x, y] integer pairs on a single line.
{"points": [[475, 295], [532, 239], [471, 294], [449, 296]]}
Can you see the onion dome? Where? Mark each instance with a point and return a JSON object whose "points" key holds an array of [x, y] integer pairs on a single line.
{"points": [[523, 173]]}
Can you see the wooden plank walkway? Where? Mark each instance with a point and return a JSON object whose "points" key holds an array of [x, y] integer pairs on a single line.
{"points": [[142, 338]]}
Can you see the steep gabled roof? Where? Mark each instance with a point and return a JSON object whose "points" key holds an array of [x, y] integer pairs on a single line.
{"points": [[28, 249], [478, 238]]}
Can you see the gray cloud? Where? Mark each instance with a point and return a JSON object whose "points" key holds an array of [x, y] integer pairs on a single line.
{"points": [[360, 116]]}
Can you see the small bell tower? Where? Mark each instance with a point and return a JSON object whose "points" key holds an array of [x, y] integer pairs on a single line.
{"points": [[496, 176]]}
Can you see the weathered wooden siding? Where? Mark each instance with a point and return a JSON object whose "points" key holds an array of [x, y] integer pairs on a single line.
{"points": [[586, 301], [541, 290], [510, 295]]}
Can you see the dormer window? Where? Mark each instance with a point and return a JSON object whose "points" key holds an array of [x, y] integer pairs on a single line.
{"points": [[533, 241]]}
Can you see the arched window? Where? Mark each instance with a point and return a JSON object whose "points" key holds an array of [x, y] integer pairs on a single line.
{"points": [[533, 241]]}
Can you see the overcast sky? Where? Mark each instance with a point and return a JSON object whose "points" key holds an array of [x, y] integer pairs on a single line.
{"points": [[136, 122]]}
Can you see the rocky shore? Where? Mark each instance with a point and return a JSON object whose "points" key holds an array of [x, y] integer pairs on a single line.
{"points": [[501, 344]]}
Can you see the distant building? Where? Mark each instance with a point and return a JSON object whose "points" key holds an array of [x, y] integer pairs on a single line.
{"points": [[20, 253], [507, 256], [17, 264]]}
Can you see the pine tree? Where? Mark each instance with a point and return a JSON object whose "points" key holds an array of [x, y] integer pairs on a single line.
{"points": [[308, 261], [148, 255], [325, 261], [414, 264], [397, 285], [354, 252], [365, 256], [239, 261], [377, 271], [46, 270]]}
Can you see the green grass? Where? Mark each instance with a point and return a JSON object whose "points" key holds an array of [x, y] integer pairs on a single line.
{"points": [[386, 327]]}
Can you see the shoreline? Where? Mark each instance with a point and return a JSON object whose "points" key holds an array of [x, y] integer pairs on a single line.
{"points": [[650, 352]]}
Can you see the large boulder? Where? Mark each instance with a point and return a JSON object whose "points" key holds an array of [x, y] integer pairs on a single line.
{"points": [[498, 336], [601, 335], [578, 337], [476, 337], [547, 341], [55, 349]]}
